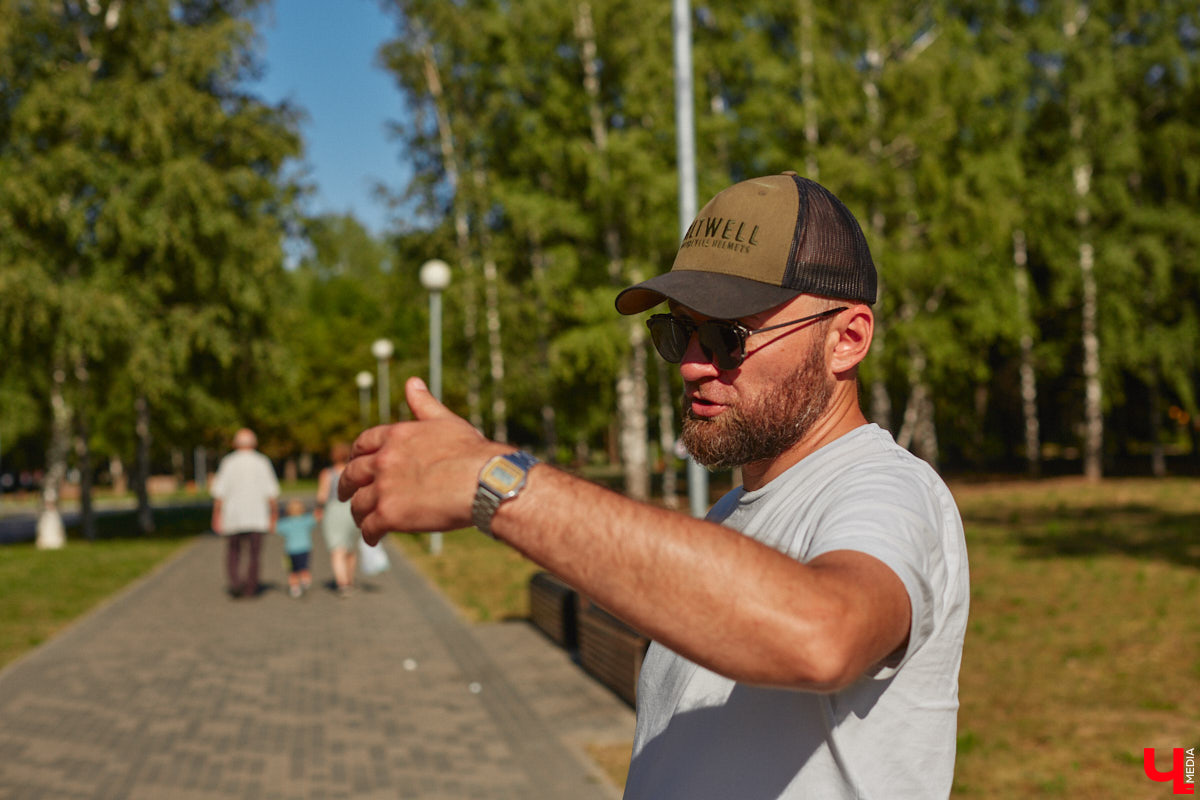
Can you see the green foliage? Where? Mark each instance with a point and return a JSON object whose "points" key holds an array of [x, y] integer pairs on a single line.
{"points": [[944, 128], [346, 292], [145, 210], [143, 207]]}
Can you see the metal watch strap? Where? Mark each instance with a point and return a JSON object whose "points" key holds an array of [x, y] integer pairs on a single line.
{"points": [[487, 500]]}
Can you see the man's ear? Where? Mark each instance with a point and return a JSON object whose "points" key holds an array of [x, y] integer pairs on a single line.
{"points": [[851, 333]]}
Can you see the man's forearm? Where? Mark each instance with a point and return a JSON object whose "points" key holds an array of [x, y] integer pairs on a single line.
{"points": [[711, 594], [706, 591]]}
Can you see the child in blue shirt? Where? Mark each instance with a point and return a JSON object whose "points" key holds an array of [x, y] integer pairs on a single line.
{"points": [[296, 529]]}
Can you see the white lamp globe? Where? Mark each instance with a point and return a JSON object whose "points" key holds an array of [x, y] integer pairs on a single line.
{"points": [[435, 275], [382, 349]]}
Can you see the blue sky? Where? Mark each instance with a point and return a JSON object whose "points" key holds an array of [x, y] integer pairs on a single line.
{"points": [[321, 55]]}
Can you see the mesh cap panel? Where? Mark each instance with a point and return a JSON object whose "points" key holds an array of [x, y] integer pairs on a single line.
{"points": [[829, 252]]}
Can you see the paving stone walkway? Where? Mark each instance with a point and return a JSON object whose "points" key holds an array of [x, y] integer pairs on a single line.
{"points": [[174, 691]]}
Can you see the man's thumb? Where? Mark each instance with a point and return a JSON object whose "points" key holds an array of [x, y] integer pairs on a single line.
{"points": [[423, 404]]}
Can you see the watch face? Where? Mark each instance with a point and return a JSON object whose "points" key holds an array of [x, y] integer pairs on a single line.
{"points": [[502, 476]]}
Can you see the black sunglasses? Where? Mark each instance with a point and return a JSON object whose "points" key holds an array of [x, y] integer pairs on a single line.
{"points": [[723, 342]]}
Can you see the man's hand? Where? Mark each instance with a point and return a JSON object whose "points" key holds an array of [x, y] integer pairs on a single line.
{"points": [[415, 476]]}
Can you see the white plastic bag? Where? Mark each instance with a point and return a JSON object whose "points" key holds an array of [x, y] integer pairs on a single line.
{"points": [[372, 560]]}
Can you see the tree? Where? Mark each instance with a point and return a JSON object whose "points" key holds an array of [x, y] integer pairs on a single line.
{"points": [[149, 210], [349, 289]]}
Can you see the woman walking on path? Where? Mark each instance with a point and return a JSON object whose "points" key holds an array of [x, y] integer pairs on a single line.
{"points": [[337, 523]]}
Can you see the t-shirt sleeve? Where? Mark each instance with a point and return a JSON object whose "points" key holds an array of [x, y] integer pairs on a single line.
{"points": [[269, 480], [894, 518]]}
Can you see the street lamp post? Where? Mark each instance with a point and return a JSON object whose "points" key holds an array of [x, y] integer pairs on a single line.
{"points": [[685, 146], [364, 380], [435, 277], [382, 350]]}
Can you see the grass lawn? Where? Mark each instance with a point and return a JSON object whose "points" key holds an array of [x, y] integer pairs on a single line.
{"points": [[1083, 645], [1084, 642], [486, 580]]}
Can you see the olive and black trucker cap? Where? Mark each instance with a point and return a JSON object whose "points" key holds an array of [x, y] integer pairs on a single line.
{"points": [[760, 243]]}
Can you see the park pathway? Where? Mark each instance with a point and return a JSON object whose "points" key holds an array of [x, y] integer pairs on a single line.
{"points": [[174, 691]]}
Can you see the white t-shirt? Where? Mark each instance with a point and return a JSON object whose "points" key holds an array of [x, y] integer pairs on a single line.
{"points": [[892, 734], [245, 484]]}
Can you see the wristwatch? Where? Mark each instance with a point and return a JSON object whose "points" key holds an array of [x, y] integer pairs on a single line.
{"points": [[501, 478]]}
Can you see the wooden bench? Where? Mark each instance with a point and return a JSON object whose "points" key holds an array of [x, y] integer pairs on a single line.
{"points": [[553, 606], [610, 651]]}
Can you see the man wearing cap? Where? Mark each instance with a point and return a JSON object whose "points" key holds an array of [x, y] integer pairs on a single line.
{"points": [[808, 633]]}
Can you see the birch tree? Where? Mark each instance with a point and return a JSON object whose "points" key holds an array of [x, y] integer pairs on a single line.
{"points": [[631, 385], [148, 209]]}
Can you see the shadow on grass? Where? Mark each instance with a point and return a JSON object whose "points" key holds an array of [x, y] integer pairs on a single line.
{"points": [[1136, 530]]}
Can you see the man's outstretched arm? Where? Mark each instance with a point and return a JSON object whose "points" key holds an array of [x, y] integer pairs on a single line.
{"points": [[707, 592]]}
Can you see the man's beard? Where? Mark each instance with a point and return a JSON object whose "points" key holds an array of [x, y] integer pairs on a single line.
{"points": [[776, 421]]}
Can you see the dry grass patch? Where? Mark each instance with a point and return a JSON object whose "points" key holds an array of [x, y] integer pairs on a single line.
{"points": [[1083, 646], [486, 580], [613, 759]]}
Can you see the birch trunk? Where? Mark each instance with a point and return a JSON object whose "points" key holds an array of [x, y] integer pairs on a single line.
{"points": [[1093, 443], [83, 456], [631, 389], [51, 535], [881, 403], [926, 441], [919, 429], [1033, 443], [141, 482], [537, 257], [491, 295], [462, 239], [632, 402], [1093, 438], [666, 434], [808, 93], [495, 353]]}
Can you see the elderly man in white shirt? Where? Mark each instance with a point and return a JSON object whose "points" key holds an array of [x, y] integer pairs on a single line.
{"points": [[245, 506]]}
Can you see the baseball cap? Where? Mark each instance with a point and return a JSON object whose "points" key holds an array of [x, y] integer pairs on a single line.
{"points": [[760, 243]]}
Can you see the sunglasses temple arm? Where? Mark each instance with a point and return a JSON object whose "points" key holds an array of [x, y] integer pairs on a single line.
{"points": [[827, 313]]}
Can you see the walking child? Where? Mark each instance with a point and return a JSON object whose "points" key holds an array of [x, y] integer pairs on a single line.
{"points": [[296, 529]]}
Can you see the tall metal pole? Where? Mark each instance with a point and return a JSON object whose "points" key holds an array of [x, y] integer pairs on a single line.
{"points": [[435, 344], [435, 277], [685, 145], [364, 380], [382, 350]]}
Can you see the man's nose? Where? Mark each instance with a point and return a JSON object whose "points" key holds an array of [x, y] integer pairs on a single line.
{"points": [[695, 364]]}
